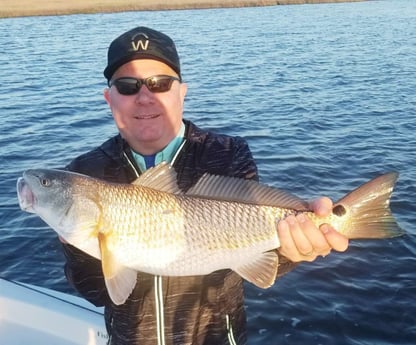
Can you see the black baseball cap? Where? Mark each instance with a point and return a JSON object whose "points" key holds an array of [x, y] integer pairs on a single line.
{"points": [[141, 43]]}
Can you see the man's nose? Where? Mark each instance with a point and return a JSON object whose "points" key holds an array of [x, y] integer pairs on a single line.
{"points": [[144, 95]]}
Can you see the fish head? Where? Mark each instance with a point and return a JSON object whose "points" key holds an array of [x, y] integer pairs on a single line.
{"points": [[62, 199], [43, 189]]}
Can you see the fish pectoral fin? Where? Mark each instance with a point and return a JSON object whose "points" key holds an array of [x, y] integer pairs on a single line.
{"points": [[119, 280], [262, 271]]}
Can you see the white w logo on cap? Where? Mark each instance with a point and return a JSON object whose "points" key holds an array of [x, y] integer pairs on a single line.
{"points": [[142, 43]]}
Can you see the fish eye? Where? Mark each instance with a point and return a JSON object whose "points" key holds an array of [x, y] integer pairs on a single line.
{"points": [[45, 182]]}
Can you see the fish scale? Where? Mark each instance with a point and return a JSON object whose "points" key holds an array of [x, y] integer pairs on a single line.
{"points": [[160, 217]]}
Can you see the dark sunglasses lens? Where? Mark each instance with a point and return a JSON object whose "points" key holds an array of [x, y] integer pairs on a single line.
{"points": [[159, 84], [127, 87], [131, 86]]}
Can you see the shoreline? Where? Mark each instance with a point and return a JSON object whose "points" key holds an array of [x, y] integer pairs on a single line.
{"points": [[30, 8]]}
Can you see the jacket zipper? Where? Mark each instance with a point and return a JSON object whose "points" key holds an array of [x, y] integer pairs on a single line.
{"points": [[160, 322], [160, 319], [132, 167]]}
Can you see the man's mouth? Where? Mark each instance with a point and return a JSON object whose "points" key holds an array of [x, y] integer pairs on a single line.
{"points": [[146, 116]]}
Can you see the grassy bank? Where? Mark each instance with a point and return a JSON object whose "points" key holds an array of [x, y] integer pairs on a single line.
{"points": [[22, 8]]}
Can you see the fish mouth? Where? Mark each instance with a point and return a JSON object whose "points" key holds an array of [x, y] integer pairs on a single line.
{"points": [[25, 195]]}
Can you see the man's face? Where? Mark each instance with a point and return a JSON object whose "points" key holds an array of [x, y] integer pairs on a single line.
{"points": [[147, 121]]}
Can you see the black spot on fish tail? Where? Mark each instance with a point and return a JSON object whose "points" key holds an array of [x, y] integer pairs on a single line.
{"points": [[339, 210]]}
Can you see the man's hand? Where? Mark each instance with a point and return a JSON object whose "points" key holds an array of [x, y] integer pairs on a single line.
{"points": [[301, 240]]}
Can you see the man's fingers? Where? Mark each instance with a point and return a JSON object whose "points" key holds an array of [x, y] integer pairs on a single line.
{"points": [[322, 206], [337, 241]]}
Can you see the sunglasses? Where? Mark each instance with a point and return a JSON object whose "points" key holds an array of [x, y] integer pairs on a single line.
{"points": [[130, 86]]}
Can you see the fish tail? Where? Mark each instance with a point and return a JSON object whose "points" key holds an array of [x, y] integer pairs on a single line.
{"points": [[369, 209]]}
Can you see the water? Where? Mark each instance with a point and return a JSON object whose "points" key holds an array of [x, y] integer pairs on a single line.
{"points": [[324, 94]]}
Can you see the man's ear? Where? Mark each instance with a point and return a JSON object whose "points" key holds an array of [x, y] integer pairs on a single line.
{"points": [[106, 94]]}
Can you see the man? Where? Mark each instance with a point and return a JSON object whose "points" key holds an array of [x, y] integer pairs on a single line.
{"points": [[146, 95]]}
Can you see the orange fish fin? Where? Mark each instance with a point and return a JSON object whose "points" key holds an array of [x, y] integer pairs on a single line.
{"points": [[227, 188], [262, 271], [120, 281], [368, 209], [162, 177]]}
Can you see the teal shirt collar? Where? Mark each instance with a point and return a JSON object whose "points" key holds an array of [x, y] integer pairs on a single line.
{"points": [[166, 155]]}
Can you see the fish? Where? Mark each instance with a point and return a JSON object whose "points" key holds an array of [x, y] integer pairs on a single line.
{"points": [[221, 222]]}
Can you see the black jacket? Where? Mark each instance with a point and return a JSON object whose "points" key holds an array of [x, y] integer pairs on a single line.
{"points": [[196, 310]]}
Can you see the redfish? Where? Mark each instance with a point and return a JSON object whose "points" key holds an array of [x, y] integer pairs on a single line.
{"points": [[220, 223]]}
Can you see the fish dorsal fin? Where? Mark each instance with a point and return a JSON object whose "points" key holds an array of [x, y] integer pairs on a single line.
{"points": [[261, 271], [161, 177], [245, 191]]}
